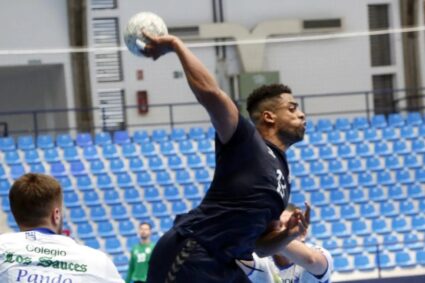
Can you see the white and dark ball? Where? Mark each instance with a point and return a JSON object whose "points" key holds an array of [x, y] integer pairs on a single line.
{"points": [[144, 21]]}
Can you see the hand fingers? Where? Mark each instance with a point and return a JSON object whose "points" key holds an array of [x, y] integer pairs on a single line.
{"points": [[307, 213], [148, 35]]}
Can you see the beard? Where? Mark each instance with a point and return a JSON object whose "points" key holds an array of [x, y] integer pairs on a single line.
{"points": [[291, 137]]}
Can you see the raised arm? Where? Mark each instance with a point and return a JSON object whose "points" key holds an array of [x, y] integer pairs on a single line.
{"points": [[221, 109], [312, 259]]}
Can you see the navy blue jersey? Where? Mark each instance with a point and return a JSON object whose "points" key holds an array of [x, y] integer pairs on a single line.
{"points": [[250, 188]]}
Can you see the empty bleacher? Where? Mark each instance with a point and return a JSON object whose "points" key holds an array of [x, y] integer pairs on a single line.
{"points": [[364, 178]]}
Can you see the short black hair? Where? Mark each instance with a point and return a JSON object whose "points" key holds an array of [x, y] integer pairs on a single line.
{"points": [[263, 93], [145, 223]]}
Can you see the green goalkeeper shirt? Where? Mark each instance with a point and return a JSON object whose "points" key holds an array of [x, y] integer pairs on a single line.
{"points": [[139, 262]]}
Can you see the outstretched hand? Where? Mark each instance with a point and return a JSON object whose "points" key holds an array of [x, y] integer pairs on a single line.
{"points": [[158, 45], [298, 223]]}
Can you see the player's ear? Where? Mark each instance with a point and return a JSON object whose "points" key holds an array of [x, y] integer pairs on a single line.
{"points": [[268, 116]]}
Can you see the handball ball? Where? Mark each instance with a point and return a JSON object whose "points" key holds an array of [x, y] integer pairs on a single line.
{"points": [[144, 21]]}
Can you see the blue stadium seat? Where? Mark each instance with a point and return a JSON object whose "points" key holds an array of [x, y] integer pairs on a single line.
{"points": [[11, 222], [85, 231], [159, 209], [381, 148], [37, 168], [159, 135], [342, 124], [178, 134], [363, 263], [316, 168], [384, 178], [90, 152], [129, 150], [84, 139], [308, 183], [414, 118], [336, 166], [167, 148], [320, 231], [113, 246], [155, 163], [407, 207], [355, 165], [119, 212], [5, 204], [335, 138], [298, 169], [377, 194], [178, 207], [327, 182], [202, 176], [97, 167], [186, 147], [316, 138], [389, 134], [58, 169], [205, 146], [380, 226], [408, 132], [117, 166], [183, 177], [328, 213], [92, 243], [191, 191], [400, 147], [102, 138], [412, 241], [371, 135], [121, 137], [396, 192], [347, 181], [132, 241], [403, 259], [45, 141], [360, 228], [131, 195], [345, 151], [326, 153], [411, 161], [84, 183], [71, 154], [71, 199], [124, 180], [395, 120], [104, 182], [196, 133], [51, 155], [418, 146], [3, 174], [77, 168], [77, 215], [26, 142], [363, 150], [298, 199], [391, 243], [338, 197], [378, 121], [91, 198], [211, 133], [392, 162], [291, 155], [148, 148], [368, 210], [415, 191], [420, 174], [163, 178], [31, 156], [358, 196], [194, 161], [126, 228], [16, 171], [388, 209], [136, 165], [139, 211], [353, 136], [418, 222], [371, 244], [403, 176], [64, 140], [318, 199], [171, 193], [174, 162], [165, 223], [324, 125], [310, 128], [308, 154], [7, 143], [66, 183], [332, 246], [105, 229], [384, 261], [151, 194], [400, 225], [109, 151], [12, 157], [339, 229], [144, 179], [121, 262], [341, 264], [111, 197], [420, 257], [141, 137], [365, 179]]}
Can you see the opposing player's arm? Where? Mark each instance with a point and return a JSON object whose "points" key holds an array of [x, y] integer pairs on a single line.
{"points": [[312, 259], [221, 109]]}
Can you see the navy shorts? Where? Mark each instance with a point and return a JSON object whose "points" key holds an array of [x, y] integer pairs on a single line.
{"points": [[176, 259]]}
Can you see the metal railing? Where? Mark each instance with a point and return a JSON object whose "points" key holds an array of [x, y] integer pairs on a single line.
{"points": [[308, 103]]}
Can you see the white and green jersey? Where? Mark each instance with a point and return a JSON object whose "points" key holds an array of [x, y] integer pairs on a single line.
{"points": [[38, 257], [266, 271]]}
